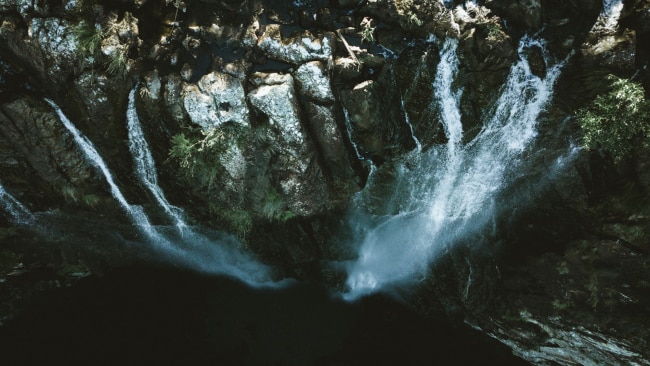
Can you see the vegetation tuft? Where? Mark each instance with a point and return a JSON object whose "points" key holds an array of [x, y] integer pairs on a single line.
{"points": [[616, 120], [197, 153], [89, 39]]}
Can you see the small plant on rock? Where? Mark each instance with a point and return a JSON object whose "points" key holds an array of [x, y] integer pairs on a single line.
{"points": [[119, 63], [367, 32], [89, 39]]}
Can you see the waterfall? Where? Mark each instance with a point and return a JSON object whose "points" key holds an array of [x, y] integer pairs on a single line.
{"points": [[453, 189], [18, 212], [609, 16], [136, 213], [214, 253], [145, 166]]}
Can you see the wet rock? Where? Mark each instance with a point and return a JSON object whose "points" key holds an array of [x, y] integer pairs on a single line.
{"points": [[313, 82], [173, 96], [300, 177], [616, 51], [297, 49], [216, 99], [524, 13], [414, 73], [46, 46], [36, 133], [376, 118]]}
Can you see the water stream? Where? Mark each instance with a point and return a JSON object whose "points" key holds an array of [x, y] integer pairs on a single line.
{"points": [[145, 167], [135, 213], [211, 252], [452, 191], [17, 211]]}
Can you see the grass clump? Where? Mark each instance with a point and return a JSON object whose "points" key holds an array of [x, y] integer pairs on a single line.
{"points": [[119, 64], [89, 40], [616, 120], [274, 209], [197, 153]]}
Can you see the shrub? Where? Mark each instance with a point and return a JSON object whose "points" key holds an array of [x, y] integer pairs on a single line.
{"points": [[616, 120]]}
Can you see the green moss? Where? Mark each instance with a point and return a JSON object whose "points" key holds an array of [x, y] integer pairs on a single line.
{"points": [[91, 200], [616, 120], [239, 221]]}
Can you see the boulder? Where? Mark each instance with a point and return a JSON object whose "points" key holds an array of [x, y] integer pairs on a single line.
{"points": [[35, 132], [216, 99], [46, 46], [313, 82], [615, 51], [300, 179], [301, 47], [523, 13], [376, 118]]}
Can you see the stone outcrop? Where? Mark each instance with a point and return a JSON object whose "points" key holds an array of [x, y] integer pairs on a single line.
{"points": [[298, 173], [377, 120], [216, 99], [41, 141]]}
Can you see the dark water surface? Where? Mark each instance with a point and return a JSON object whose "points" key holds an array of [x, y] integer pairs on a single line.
{"points": [[154, 316]]}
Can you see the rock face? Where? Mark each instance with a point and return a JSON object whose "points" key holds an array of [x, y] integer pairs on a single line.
{"points": [[41, 143], [216, 99], [377, 118], [262, 116], [299, 176]]}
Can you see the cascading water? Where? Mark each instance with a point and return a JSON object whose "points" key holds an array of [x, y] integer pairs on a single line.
{"points": [[136, 213], [18, 212], [219, 254], [452, 190], [608, 18], [145, 166]]}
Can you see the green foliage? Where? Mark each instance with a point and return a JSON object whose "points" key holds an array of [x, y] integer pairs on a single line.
{"points": [[493, 30], [274, 208], [617, 119], [367, 32], [197, 154], [118, 65], [239, 221], [70, 193], [89, 39], [91, 200]]}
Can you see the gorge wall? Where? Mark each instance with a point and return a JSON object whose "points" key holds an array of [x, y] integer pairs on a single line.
{"points": [[266, 119]]}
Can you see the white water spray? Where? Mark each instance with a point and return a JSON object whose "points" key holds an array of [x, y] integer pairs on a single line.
{"points": [[193, 250], [452, 191], [609, 16], [145, 166], [18, 212]]}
